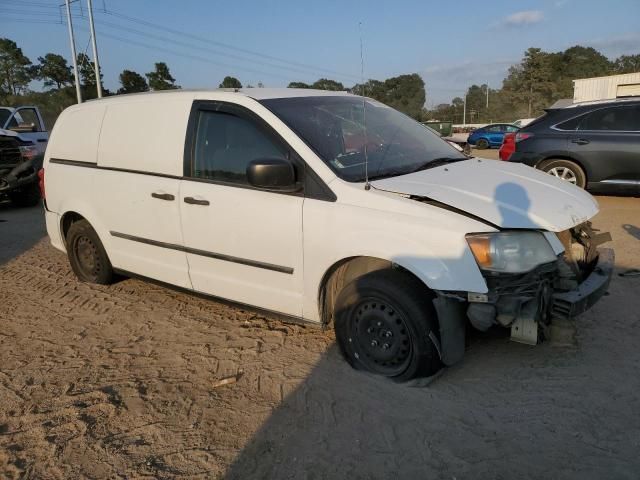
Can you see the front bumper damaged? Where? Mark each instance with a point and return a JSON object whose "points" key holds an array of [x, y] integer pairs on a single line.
{"points": [[575, 302]]}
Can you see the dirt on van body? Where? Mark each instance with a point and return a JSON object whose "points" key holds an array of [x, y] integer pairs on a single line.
{"points": [[124, 382]]}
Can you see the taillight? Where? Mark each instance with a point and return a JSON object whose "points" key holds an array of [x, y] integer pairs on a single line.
{"points": [[41, 183], [523, 136], [508, 146]]}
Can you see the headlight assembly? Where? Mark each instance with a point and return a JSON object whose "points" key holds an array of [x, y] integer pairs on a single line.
{"points": [[510, 252]]}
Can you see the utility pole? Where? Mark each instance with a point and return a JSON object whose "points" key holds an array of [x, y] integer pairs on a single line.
{"points": [[95, 49], [487, 95], [464, 110], [73, 51]]}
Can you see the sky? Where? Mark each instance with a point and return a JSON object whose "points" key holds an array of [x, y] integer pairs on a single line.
{"points": [[450, 44]]}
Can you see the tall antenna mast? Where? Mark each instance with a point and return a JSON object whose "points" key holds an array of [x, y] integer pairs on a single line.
{"points": [[367, 185]]}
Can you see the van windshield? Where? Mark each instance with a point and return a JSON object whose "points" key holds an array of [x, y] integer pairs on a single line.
{"points": [[334, 127]]}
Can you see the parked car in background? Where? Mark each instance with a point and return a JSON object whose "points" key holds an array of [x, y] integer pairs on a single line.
{"points": [[456, 142], [490, 135], [593, 145], [523, 122], [26, 121], [406, 240], [20, 162]]}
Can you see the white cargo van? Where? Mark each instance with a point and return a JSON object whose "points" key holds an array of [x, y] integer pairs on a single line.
{"points": [[297, 203]]}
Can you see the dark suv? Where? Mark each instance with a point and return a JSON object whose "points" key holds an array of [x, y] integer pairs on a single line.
{"points": [[595, 145]]}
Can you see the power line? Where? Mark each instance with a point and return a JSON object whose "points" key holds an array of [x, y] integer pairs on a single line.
{"points": [[166, 29], [184, 55], [293, 66], [173, 52], [189, 46]]}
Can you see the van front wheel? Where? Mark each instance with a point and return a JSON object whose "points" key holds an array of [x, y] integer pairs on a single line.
{"points": [[386, 324], [87, 256]]}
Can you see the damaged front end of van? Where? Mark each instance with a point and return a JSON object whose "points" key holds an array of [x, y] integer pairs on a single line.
{"points": [[557, 288], [542, 262]]}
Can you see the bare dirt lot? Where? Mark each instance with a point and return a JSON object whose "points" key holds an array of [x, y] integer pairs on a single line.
{"points": [[119, 382]]}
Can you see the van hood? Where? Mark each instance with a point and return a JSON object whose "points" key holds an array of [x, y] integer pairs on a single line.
{"points": [[508, 195]]}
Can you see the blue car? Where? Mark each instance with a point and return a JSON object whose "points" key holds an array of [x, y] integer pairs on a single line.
{"points": [[490, 135]]}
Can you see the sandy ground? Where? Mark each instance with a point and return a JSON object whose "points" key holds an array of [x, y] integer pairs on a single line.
{"points": [[119, 382]]}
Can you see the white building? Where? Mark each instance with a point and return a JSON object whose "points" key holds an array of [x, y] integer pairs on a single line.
{"points": [[606, 88]]}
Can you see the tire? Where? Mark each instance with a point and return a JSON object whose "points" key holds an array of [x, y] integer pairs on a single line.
{"points": [[565, 170], [482, 144], [87, 256], [384, 324], [27, 196]]}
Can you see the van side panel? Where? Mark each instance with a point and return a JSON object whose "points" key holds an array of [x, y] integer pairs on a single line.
{"points": [[145, 136], [75, 136]]}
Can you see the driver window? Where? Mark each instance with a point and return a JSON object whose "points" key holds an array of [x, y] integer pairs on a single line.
{"points": [[226, 144]]}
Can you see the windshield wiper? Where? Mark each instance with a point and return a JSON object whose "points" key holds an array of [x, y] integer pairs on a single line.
{"points": [[437, 162]]}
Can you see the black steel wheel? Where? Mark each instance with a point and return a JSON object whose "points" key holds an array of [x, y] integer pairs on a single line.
{"points": [[386, 324], [382, 335], [87, 256]]}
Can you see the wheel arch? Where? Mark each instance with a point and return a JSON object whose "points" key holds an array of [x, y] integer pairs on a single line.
{"points": [[344, 271], [72, 215], [66, 220]]}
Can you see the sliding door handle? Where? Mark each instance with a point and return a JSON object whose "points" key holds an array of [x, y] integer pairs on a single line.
{"points": [[195, 201], [163, 196]]}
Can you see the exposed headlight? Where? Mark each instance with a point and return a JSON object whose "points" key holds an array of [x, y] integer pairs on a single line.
{"points": [[510, 252]]}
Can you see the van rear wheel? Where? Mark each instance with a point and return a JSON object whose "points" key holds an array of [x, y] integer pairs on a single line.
{"points": [[87, 256], [386, 324]]}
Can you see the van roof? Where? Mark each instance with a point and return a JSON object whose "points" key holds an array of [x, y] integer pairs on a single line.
{"points": [[255, 93]]}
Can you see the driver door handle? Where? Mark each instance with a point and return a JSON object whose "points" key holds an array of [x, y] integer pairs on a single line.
{"points": [[580, 141], [195, 201]]}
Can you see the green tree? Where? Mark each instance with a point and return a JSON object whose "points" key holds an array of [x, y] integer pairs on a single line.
{"points": [[531, 86], [578, 62], [16, 70], [53, 70], [627, 64], [230, 82], [132, 82], [87, 72], [161, 79], [298, 85], [405, 93], [327, 84]]}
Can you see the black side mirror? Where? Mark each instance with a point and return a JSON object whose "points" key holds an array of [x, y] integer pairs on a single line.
{"points": [[275, 174]]}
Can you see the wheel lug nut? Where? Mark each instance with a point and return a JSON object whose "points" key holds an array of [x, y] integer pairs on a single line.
{"points": [[374, 343], [370, 330], [379, 324], [388, 334], [385, 346]]}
